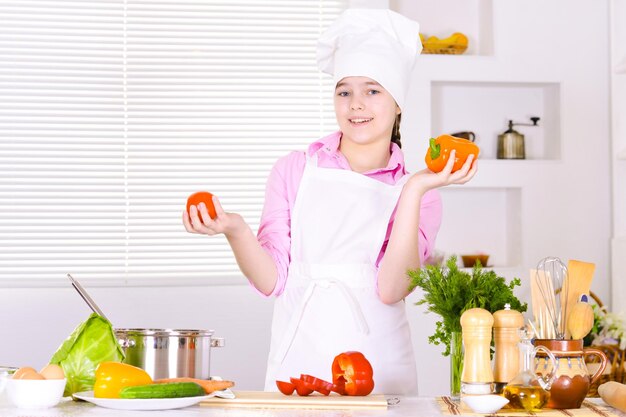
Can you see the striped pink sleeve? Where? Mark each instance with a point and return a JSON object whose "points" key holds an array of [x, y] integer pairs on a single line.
{"points": [[274, 233]]}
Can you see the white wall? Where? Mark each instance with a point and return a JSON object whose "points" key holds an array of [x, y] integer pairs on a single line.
{"points": [[618, 111], [565, 203]]}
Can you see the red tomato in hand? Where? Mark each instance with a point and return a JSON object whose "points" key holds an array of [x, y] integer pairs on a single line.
{"points": [[202, 197]]}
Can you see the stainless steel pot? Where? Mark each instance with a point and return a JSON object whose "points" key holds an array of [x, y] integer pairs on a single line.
{"points": [[169, 353]]}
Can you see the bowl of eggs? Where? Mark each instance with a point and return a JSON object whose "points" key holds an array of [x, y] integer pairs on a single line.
{"points": [[28, 388]]}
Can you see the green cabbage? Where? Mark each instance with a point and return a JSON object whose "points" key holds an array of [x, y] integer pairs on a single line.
{"points": [[92, 342]]}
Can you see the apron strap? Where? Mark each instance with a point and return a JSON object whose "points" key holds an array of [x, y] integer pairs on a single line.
{"points": [[294, 323]]}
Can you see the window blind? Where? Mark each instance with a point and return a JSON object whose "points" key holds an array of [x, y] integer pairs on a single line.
{"points": [[112, 112]]}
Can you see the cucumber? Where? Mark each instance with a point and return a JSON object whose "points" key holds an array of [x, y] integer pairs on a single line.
{"points": [[168, 390]]}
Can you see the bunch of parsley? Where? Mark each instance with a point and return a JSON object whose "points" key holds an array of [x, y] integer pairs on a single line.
{"points": [[449, 291]]}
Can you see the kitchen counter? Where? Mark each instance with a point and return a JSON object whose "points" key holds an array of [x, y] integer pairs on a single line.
{"points": [[408, 407]]}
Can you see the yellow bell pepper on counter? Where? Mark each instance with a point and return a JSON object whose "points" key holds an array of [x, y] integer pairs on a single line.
{"points": [[111, 377]]}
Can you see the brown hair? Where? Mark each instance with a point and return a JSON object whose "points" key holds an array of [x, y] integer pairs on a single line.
{"points": [[395, 132]]}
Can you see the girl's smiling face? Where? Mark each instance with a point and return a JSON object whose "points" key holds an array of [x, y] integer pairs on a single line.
{"points": [[365, 111]]}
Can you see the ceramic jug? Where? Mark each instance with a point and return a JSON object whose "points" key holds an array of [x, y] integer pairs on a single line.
{"points": [[572, 380]]}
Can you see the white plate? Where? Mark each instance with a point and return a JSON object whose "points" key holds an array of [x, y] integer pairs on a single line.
{"points": [[142, 404]]}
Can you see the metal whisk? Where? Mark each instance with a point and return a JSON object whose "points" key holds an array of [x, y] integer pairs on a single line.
{"points": [[551, 283]]}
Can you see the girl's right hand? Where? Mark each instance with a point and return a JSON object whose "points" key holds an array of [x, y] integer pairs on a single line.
{"points": [[227, 223]]}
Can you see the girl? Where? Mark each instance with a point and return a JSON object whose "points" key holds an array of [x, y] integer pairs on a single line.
{"points": [[344, 221]]}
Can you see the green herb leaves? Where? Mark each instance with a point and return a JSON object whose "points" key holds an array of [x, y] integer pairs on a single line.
{"points": [[449, 291]]}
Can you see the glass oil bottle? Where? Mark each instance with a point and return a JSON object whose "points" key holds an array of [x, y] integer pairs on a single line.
{"points": [[527, 390]]}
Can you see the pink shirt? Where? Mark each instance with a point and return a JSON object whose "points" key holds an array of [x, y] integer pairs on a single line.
{"points": [[280, 196]]}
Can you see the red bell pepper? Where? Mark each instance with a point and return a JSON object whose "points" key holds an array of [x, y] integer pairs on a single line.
{"points": [[354, 372], [286, 388], [319, 385], [301, 388], [306, 384]]}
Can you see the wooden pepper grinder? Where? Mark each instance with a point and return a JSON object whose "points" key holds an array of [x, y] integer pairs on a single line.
{"points": [[506, 326], [477, 377]]}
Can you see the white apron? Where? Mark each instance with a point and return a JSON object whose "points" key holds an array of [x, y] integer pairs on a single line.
{"points": [[330, 303]]}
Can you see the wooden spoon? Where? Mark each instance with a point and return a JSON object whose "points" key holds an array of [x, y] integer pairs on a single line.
{"points": [[580, 320], [579, 277]]}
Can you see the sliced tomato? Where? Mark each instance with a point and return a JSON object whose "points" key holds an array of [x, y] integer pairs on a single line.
{"points": [[316, 384], [286, 388], [301, 388]]}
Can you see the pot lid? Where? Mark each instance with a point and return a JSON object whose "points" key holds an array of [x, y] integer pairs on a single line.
{"points": [[165, 332]]}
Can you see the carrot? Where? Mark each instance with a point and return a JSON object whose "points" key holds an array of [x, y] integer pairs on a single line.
{"points": [[209, 385]]}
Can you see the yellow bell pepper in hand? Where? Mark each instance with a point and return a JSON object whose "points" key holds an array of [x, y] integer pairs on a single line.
{"points": [[111, 377]]}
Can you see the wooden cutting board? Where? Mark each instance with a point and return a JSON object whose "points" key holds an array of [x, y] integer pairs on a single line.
{"points": [[262, 399]]}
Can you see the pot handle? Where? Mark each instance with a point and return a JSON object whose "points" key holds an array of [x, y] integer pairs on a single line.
{"points": [[603, 361], [217, 342]]}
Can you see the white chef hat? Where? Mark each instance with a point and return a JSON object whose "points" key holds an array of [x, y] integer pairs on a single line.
{"points": [[376, 43]]}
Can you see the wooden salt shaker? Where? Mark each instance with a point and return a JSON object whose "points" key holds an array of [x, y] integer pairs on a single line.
{"points": [[477, 377], [506, 326]]}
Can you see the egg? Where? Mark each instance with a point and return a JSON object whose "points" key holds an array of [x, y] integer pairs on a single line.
{"points": [[27, 373], [52, 371]]}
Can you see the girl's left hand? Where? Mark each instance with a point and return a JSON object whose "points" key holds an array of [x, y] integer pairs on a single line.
{"points": [[427, 180]]}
